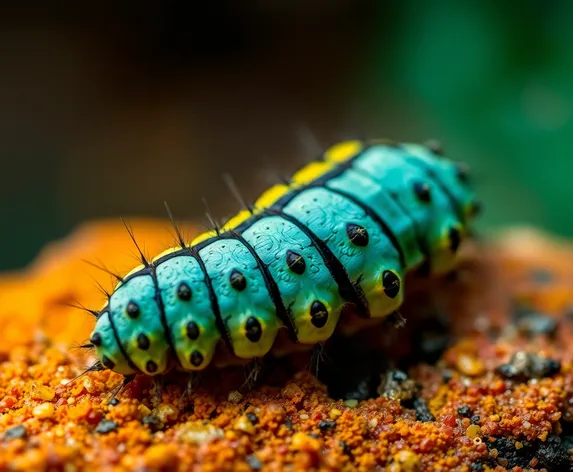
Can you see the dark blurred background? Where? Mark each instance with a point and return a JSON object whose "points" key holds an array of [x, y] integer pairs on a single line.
{"points": [[109, 109]]}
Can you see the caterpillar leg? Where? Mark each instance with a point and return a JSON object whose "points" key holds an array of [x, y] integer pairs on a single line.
{"points": [[317, 357], [252, 370], [157, 390], [189, 386], [397, 320]]}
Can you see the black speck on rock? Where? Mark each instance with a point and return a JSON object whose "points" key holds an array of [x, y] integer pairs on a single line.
{"points": [[345, 448], [106, 426], [447, 375], [15, 433], [525, 365], [396, 385], [507, 454], [252, 418], [152, 422], [551, 453], [326, 425], [483, 464], [465, 411], [422, 411], [536, 324], [254, 462], [532, 323]]}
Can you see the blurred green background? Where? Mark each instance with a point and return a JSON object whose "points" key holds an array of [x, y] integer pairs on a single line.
{"points": [[110, 110]]}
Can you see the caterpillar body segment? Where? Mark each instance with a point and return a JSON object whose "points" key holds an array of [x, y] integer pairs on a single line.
{"points": [[298, 269], [188, 310], [344, 232]]}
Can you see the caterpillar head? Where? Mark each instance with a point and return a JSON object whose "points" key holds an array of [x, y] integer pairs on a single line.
{"points": [[129, 335]]}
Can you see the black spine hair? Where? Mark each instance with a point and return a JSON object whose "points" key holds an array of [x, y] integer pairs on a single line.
{"points": [[79, 306], [102, 290], [234, 189], [129, 229], [178, 234], [214, 226], [103, 268]]}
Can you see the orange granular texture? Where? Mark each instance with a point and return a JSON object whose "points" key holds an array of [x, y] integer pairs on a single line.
{"points": [[48, 424]]}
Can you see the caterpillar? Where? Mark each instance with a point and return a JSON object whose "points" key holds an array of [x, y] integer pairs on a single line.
{"points": [[342, 233]]}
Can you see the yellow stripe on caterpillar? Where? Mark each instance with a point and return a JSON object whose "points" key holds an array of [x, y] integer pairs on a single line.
{"points": [[344, 151]]}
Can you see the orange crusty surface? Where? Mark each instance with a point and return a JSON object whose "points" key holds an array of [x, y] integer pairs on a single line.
{"points": [[489, 409]]}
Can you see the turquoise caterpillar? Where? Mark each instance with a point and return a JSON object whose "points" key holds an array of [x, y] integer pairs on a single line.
{"points": [[340, 235]]}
